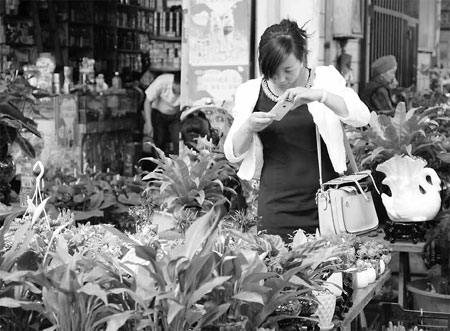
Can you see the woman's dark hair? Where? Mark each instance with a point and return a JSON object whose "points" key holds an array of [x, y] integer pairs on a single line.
{"points": [[279, 41]]}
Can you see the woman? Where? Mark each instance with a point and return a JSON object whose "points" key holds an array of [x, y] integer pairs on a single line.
{"points": [[378, 94], [283, 154]]}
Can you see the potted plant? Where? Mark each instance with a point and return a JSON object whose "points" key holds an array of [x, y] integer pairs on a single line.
{"points": [[417, 133], [193, 180]]}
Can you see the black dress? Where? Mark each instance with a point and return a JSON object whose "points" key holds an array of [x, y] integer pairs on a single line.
{"points": [[290, 175]]}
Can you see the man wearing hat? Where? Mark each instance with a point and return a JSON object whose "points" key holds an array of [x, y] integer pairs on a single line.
{"points": [[377, 93]]}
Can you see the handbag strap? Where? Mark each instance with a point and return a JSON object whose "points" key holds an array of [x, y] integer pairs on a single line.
{"points": [[348, 151]]}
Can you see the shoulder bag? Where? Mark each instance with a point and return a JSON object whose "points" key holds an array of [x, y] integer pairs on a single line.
{"points": [[345, 204]]}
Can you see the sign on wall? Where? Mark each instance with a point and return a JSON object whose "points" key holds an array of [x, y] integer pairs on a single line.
{"points": [[217, 54]]}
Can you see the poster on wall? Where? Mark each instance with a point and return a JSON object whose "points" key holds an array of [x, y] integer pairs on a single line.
{"points": [[218, 52]]}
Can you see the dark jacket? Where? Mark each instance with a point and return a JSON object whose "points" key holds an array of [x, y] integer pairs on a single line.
{"points": [[377, 95]]}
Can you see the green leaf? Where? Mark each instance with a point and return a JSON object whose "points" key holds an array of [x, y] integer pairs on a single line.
{"points": [[23, 236], [212, 315], [199, 271], [444, 157], [255, 277], [199, 231], [116, 321], [119, 234], [174, 309], [255, 287], [201, 197], [146, 252], [250, 297], [206, 288], [39, 209], [94, 290], [25, 146], [10, 302], [175, 267]]}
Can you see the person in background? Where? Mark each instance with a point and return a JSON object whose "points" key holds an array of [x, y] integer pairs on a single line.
{"points": [[283, 154], [146, 79], [377, 94], [162, 112], [344, 66]]}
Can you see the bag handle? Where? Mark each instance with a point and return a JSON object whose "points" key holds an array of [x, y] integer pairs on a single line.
{"points": [[348, 151], [350, 156]]}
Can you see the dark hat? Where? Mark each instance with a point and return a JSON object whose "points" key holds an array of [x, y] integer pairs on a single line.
{"points": [[383, 64]]}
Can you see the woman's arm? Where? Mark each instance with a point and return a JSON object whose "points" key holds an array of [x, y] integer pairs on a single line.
{"points": [[329, 79], [302, 95], [148, 127], [240, 137], [243, 137]]}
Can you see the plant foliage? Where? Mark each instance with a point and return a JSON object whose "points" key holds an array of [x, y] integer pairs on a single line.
{"points": [[414, 132], [190, 180]]}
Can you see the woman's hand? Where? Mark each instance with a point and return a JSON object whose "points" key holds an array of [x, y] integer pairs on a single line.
{"points": [[258, 121], [301, 95]]}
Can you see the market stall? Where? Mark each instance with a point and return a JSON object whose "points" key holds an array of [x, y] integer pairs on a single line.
{"points": [[90, 241]]}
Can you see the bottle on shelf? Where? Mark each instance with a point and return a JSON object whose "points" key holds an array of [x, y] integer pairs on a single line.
{"points": [[116, 81]]}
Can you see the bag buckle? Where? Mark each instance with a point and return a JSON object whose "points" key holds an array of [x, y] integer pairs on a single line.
{"points": [[323, 195]]}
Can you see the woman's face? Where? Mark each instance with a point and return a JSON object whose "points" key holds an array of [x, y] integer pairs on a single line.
{"points": [[287, 72], [389, 76]]}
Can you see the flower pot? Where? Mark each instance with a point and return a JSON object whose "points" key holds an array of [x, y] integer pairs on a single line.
{"points": [[428, 301], [334, 283], [163, 220], [325, 309], [371, 275], [360, 279], [415, 189]]}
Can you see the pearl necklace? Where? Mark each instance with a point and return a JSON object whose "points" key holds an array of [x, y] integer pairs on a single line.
{"points": [[272, 96]]}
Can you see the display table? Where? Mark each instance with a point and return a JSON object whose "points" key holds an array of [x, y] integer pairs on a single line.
{"points": [[361, 298], [404, 248]]}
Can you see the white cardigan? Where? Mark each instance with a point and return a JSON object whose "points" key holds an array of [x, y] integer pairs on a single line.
{"points": [[328, 123]]}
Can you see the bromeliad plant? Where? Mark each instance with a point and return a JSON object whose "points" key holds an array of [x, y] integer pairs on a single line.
{"points": [[415, 132], [190, 180]]}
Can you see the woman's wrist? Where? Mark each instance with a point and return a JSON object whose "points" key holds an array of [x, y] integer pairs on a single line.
{"points": [[246, 127], [323, 97]]}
